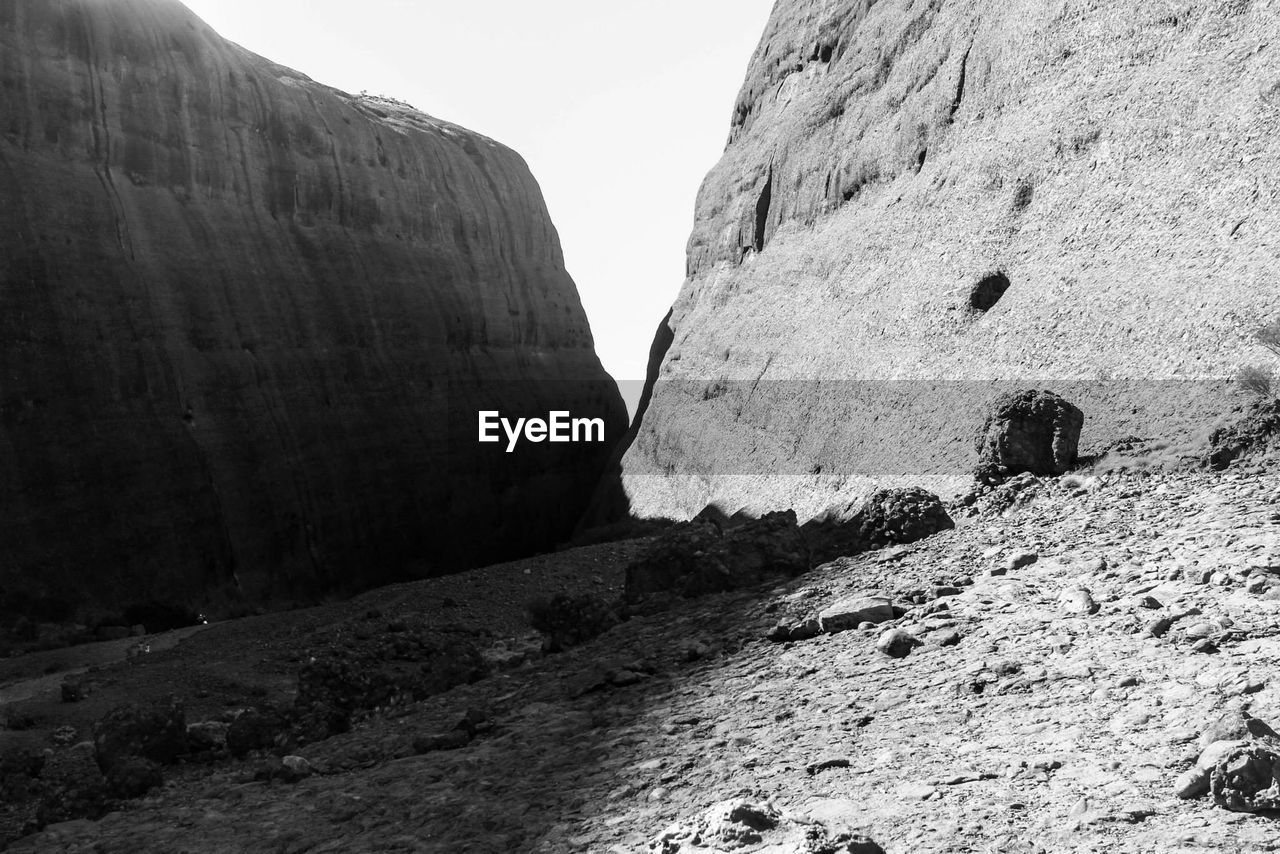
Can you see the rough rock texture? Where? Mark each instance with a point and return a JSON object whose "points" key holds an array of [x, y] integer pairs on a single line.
{"points": [[157, 733], [246, 321], [1013, 728], [697, 558], [886, 517], [1247, 779], [1255, 431], [1028, 431], [921, 198]]}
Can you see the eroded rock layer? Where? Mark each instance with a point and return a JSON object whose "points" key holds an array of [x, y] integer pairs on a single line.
{"points": [[920, 199], [246, 323]]}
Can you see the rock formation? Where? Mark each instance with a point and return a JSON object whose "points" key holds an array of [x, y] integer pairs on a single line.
{"points": [[1028, 431], [920, 201], [247, 321]]}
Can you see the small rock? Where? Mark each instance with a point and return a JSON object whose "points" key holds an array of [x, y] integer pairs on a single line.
{"points": [[1204, 647], [696, 651], [1158, 628], [132, 777], [1192, 784], [453, 740], [296, 768], [73, 690], [1211, 755], [1150, 602], [781, 633], [207, 735], [255, 729], [1200, 630], [1019, 560], [916, 791], [807, 630], [624, 678], [472, 722], [1230, 726], [948, 638], [826, 764], [897, 643], [1078, 601], [853, 611]]}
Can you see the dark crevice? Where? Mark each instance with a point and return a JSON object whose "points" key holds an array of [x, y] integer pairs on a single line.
{"points": [[762, 211], [823, 53], [1022, 196], [610, 502], [921, 157], [987, 292], [964, 73]]}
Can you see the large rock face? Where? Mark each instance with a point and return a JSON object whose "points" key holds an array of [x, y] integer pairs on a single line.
{"points": [[920, 200], [247, 321]]}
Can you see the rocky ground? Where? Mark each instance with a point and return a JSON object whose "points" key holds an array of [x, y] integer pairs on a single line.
{"points": [[1051, 704]]}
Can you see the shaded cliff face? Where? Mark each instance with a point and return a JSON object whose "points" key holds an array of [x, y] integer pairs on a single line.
{"points": [[921, 199], [247, 321]]}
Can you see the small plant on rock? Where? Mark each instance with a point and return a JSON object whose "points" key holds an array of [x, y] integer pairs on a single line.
{"points": [[1256, 381], [1269, 337]]}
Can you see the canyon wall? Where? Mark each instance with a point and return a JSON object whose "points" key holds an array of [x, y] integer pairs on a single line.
{"points": [[924, 203], [247, 321]]}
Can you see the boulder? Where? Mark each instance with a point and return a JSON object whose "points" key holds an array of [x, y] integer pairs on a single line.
{"points": [[157, 734], [1256, 430], [897, 643], [295, 768], [1028, 431], [350, 675], [133, 777], [674, 557], [566, 620], [1246, 778], [207, 736], [698, 558], [74, 787], [258, 728], [886, 517]]}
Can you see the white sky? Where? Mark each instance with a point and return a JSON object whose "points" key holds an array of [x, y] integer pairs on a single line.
{"points": [[620, 108]]}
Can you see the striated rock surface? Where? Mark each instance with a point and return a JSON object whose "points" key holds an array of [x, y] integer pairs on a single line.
{"points": [[922, 199], [247, 320]]}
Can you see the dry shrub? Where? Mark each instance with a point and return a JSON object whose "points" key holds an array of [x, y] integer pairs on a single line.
{"points": [[1269, 337], [1256, 381]]}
